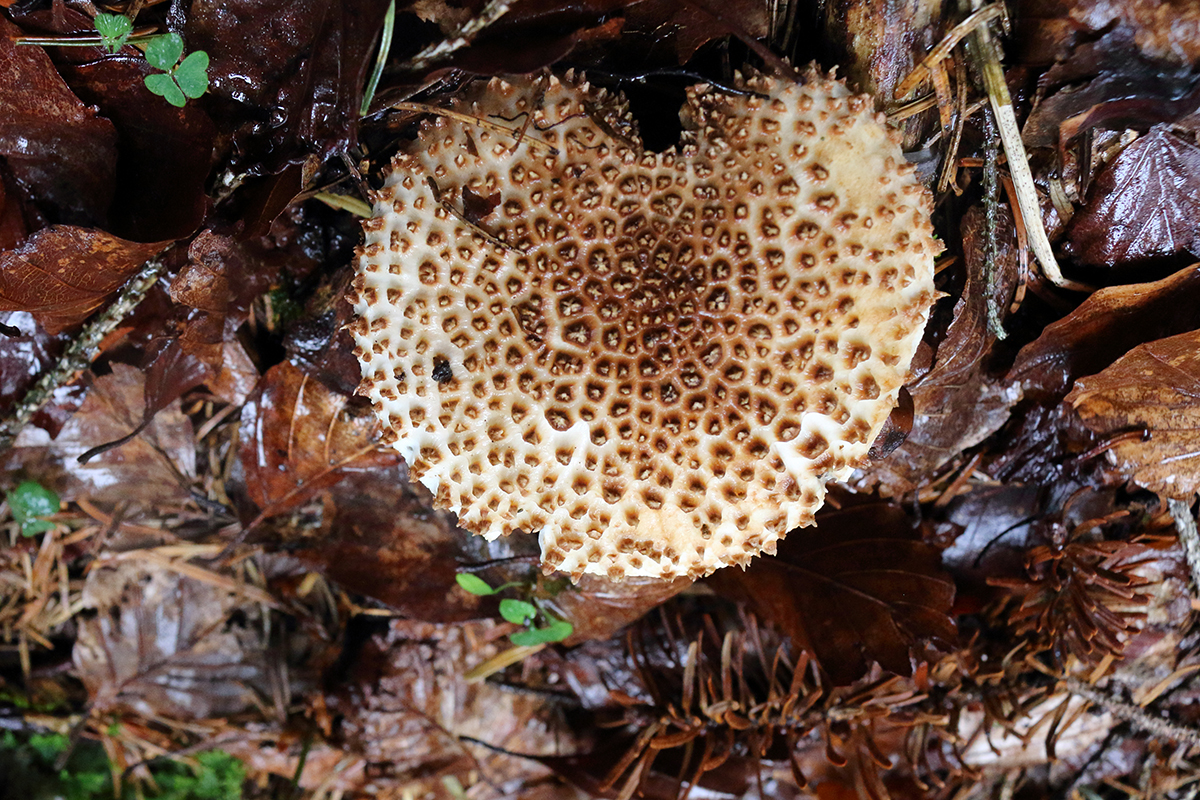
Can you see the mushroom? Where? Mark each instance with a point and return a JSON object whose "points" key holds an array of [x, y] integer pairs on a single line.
{"points": [[654, 360]]}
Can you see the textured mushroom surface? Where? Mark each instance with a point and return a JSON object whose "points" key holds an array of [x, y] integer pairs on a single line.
{"points": [[654, 360]]}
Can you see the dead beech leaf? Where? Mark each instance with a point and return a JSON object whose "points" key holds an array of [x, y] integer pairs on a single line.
{"points": [[1104, 327], [65, 152], [298, 437], [165, 645], [1145, 204], [860, 587], [62, 274], [1154, 388]]}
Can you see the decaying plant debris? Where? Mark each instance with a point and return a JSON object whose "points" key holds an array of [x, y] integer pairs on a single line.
{"points": [[999, 604]]}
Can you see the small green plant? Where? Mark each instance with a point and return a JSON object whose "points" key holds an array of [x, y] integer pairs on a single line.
{"points": [[179, 80], [521, 612], [114, 30], [30, 502]]}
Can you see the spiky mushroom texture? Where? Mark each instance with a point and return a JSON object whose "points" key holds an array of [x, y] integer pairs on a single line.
{"points": [[656, 361]]}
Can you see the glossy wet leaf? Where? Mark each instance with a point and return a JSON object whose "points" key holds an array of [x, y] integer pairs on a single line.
{"points": [[62, 274], [517, 611], [1144, 204], [29, 503]]}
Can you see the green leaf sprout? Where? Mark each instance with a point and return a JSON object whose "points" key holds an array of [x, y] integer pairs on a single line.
{"points": [[29, 502], [114, 30], [474, 585], [517, 611], [522, 612]]}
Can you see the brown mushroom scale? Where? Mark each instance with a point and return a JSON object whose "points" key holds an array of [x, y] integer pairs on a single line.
{"points": [[654, 360]]}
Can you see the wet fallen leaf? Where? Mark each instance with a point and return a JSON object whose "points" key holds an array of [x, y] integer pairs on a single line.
{"points": [[54, 144], [165, 645], [62, 274], [1144, 204], [156, 465], [1104, 327], [23, 356], [1154, 389], [298, 437], [860, 587]]}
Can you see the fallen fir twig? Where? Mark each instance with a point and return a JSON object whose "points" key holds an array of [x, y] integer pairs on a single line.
{"points": [[1189, 536], [1135, 715], [81, 352]]}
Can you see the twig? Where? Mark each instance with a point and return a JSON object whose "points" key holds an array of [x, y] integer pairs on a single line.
{"points": [[1136, 716], [988, 56], [991, 249], [1185, 523], [436, 52], [81, 352]]}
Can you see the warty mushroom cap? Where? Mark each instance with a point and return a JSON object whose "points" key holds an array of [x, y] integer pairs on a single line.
{"points": [[654, 360]]}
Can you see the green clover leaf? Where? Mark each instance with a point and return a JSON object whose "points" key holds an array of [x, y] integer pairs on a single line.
{"points": [[192, 74], [554, 632], [29, 502], [164, 51], [163, 85], [517, 611], [114, 30]]}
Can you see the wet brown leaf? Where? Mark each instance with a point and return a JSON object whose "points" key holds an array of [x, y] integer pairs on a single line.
{"points": [[165, 645], [1155, 388], [155, 466], [1104, 327], [54, 144], [860, 587], [1144, 204], [62, 274], [298, 437]]}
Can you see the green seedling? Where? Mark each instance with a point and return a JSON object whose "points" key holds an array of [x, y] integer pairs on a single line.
{"points": [[179, 80], [30, 502], [114, 30], [520, 612]]}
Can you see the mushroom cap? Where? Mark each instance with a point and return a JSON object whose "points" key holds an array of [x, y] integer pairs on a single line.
{"points": [[655, 360]]}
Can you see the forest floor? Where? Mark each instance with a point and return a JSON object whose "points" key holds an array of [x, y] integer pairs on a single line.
{"points": [[215, 582]]}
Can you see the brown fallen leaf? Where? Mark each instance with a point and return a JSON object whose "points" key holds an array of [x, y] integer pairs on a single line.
{"points": [[299, 437], [1145, 204], [1154, 388], [165, 645], [62, 274], [1104, 327], [156, 465], [860, 587]]}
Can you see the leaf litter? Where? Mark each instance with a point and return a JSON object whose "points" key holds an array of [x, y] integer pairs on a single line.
{"points": [[1001, 592]]}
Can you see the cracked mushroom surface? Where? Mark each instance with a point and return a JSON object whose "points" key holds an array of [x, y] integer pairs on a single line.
{"points": [[653, 360]]}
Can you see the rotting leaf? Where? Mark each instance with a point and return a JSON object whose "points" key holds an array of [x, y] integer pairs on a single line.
{"points": [[298, 437], [171, 646], [860, 587], [62, 274], [154, 466], [1104, 327], [1144, 204], [54, 144], [1154, 388]]}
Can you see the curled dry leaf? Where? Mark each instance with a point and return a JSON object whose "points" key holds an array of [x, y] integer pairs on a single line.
{"points": [[1154, 388], [1144, 204], [299, 437], [54, 144], [62, 274], [165, 645], [858, 588], [1104, 327], [156, 465]]}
